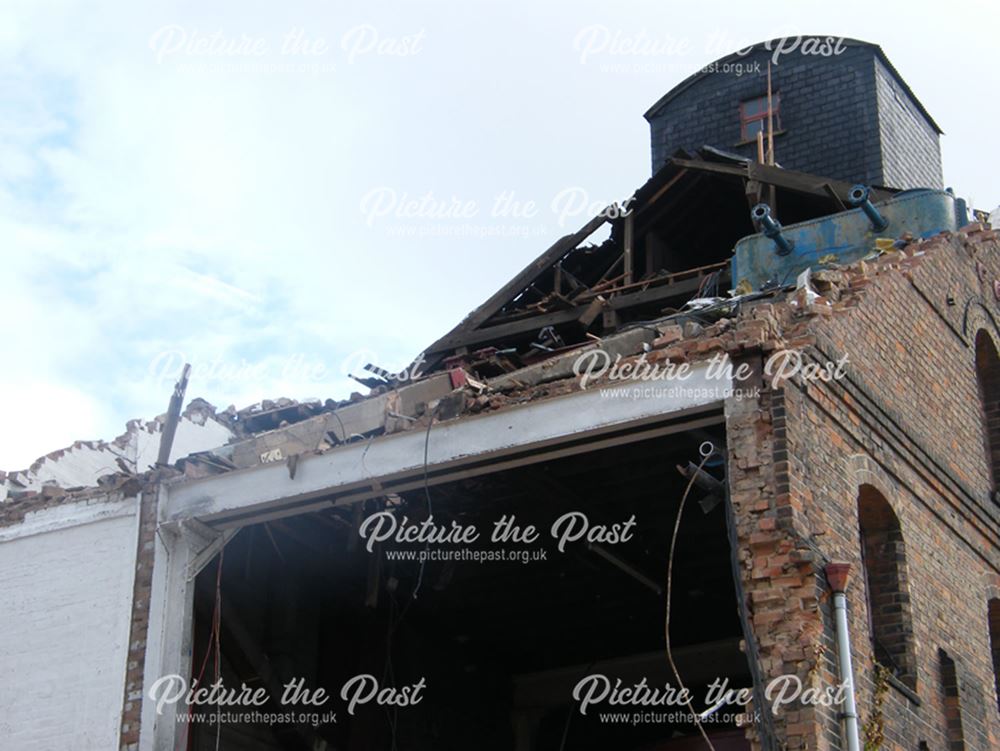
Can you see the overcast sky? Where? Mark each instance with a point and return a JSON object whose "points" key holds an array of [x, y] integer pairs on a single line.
{"points": [[232, 184]]}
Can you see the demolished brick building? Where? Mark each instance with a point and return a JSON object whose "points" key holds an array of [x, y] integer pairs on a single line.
{"points": [[840, 406]]}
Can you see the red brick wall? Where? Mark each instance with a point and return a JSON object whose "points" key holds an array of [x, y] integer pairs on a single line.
{"points": [[132, 701], [908, 421], [908, 425]]}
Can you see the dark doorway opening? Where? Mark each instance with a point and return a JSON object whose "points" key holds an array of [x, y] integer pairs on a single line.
{"points": [[500, 633]]}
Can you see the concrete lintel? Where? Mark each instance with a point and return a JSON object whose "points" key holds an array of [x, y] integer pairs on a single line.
{"points": [[451, 444]]}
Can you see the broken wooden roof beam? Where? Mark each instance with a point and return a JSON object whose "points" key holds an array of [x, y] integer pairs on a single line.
{"points": [[618, 302], [800, 182]]}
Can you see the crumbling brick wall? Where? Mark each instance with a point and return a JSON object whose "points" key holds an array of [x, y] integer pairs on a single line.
{"points": [[908, 422], [780, 576]]}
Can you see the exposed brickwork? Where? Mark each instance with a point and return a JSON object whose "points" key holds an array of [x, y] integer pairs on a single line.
{"points": [[780, 576], [905, 430], [905, 425], [138, 631], [16, 510]]}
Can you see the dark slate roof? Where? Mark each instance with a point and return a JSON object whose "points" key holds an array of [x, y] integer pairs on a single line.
{"points": [[735, 56]]}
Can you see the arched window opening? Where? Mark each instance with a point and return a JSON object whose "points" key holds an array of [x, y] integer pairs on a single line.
{"points": [[884, 556], [951, 700], [988, 374], [993, 614]]}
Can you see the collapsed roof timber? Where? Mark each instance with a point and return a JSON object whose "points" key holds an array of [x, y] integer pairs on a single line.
{"points": [[671, 244]]}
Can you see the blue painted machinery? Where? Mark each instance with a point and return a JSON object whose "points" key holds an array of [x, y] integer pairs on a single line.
{"points": [[777, 255]]}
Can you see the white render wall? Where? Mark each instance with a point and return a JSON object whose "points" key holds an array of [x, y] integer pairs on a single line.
{"points": [[66, 576]]}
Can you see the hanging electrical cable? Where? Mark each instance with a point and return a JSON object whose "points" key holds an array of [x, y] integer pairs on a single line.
{"points": [[427, 493], [670, 581]]}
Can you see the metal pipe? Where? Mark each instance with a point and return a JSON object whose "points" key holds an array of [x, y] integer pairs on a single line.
{"points": [[837, 574], [761, 213], [860, 197]]}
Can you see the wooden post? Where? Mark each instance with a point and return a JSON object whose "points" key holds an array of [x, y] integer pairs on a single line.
{"points": [[629, 260], [772, 193], [770, 119], [173, 417]]}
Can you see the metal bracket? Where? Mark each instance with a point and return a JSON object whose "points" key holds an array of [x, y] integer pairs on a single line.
{"points": [[207, 541]]}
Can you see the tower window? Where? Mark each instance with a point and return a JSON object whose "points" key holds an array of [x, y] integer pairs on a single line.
{"points": [[753, 116]]}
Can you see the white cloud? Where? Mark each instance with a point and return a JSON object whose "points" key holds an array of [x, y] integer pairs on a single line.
{"points": [[48, 414]]}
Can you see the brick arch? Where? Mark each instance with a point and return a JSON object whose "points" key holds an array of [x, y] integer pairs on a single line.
{"points": [[991, 586], [863, 470], [976, 317]]}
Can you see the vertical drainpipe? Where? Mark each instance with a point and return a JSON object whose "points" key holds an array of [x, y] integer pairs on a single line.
{"points": [[837, 574]]}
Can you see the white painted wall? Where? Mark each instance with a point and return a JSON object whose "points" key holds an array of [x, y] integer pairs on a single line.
{"points": [[66, 577]]}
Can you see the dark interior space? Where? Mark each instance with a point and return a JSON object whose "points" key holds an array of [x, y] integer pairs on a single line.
{"points": [[499, 642]]}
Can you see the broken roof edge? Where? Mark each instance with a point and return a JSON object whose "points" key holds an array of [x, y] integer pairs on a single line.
{"points": [[736, 55], [84, 464], [831, 289], [92, 504], [759, 322], [197, 410], [748, 323]]}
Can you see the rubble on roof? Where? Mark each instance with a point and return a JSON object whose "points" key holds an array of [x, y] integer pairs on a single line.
{"points": [[381, 413], [660, 287], [758, 322], [670, 242], [203, 434], [211, 442]]}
